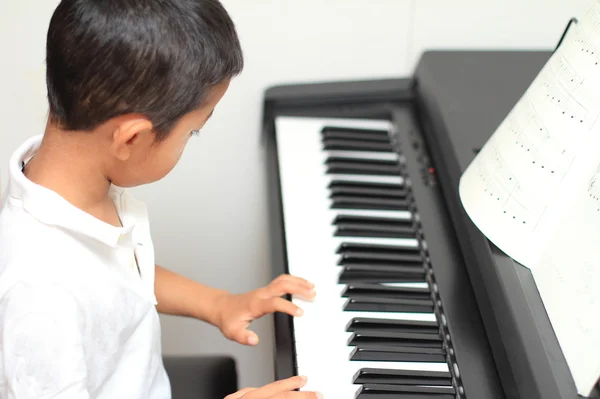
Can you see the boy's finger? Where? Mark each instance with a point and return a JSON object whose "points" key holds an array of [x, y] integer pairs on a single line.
{"points": [[277, 387], [251, 338], [303, 281], [283, 287], [298, 395], [273, 305], [245, 337], [295, 279], [239, 393]]}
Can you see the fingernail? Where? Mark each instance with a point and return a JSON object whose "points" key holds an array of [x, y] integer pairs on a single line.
{"points": [[319, 395], [312, 293], [303, 377], [299, 312], [253, 340]]}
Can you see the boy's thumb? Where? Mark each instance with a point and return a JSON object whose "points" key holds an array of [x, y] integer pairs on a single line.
{"points": [[250, 338]]}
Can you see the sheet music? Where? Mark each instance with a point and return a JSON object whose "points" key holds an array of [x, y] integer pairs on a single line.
{"points": [[534, 191], [568, 279], [516, 187]]}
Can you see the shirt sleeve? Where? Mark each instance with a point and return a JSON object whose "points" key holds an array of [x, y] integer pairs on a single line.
{"points": [[41, 344]]}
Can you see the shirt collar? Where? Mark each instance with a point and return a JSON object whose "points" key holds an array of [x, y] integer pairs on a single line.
{"points": [[50, 208]]}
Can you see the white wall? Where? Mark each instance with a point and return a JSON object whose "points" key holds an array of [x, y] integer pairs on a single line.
{"points": [[215, 197], [529, 24]]}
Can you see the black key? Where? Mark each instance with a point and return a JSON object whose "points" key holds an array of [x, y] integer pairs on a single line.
{"points": [[341, 201], [359, 230], [362, 169], [374, 221], [382, 353], [383, 187], [376, 254], [383, 269], [380, 222], [346, 135], [356, 145], [400, 305], [355, 189], [364, 226], [354, 257], [402, 377], [379, 248], [352, 133], [362, 166], [374, 273], [406, 326], [358, 290], [372, 391], [333, 159], [389, 338], [348, 257]]}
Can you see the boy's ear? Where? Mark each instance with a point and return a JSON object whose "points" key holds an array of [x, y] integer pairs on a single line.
{"points": [[130, 132]]}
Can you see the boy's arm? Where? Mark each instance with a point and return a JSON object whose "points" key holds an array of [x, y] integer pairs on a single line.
{"points": [[232, 314], [181, 296]]}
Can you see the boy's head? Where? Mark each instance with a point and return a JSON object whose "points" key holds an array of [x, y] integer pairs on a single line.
{"points": [[137, 77]]}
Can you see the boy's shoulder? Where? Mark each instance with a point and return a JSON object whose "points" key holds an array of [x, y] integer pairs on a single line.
{"points": [[40, 261], [44, 238], [33, 251], [63, 235]]}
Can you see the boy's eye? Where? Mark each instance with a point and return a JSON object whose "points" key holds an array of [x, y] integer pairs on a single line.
{"points": [[195, 132]]}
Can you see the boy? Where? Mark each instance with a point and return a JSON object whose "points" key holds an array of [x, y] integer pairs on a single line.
{"points": [[129, 82]]}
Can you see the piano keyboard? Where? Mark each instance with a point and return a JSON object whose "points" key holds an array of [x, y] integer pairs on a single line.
{"points": [[371, 332]]}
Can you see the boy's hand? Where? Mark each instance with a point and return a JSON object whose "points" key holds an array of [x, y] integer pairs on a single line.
{"points": [[234, 313], [284, 389]]}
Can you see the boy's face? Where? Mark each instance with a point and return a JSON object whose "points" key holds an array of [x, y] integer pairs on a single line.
{"points": [[137, 159]]}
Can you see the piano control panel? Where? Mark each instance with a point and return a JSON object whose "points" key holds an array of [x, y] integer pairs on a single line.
{"points": [[426, 168]]}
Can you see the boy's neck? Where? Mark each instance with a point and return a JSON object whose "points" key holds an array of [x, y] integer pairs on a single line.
{"points": [[68, 163]]}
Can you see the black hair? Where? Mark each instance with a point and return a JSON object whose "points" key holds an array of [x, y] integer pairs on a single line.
{"points": [[159, 58]]}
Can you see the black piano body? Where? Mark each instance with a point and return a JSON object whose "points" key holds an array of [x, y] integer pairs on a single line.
{"points": [[502, 339]]}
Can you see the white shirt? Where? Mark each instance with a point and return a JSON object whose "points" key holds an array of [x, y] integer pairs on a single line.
{"points": [[77, 321]]}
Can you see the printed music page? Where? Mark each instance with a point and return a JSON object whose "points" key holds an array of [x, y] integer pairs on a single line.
{"points": [[534, 191], [524, 177], [568, 279]]}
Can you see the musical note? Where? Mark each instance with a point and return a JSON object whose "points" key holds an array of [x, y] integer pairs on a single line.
{"points": [[576, 85], [593, 190], [537, 145], [505, 193], [587, 47], [573, 110]]}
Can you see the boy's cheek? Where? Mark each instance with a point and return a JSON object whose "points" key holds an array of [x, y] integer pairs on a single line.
{"points": [[166, 162]]}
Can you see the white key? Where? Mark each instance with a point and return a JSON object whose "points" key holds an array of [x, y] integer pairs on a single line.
{"points": [[365, 178], [402, 242], [372, 213], [377, 156], [406, 285], [320, 334]]}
